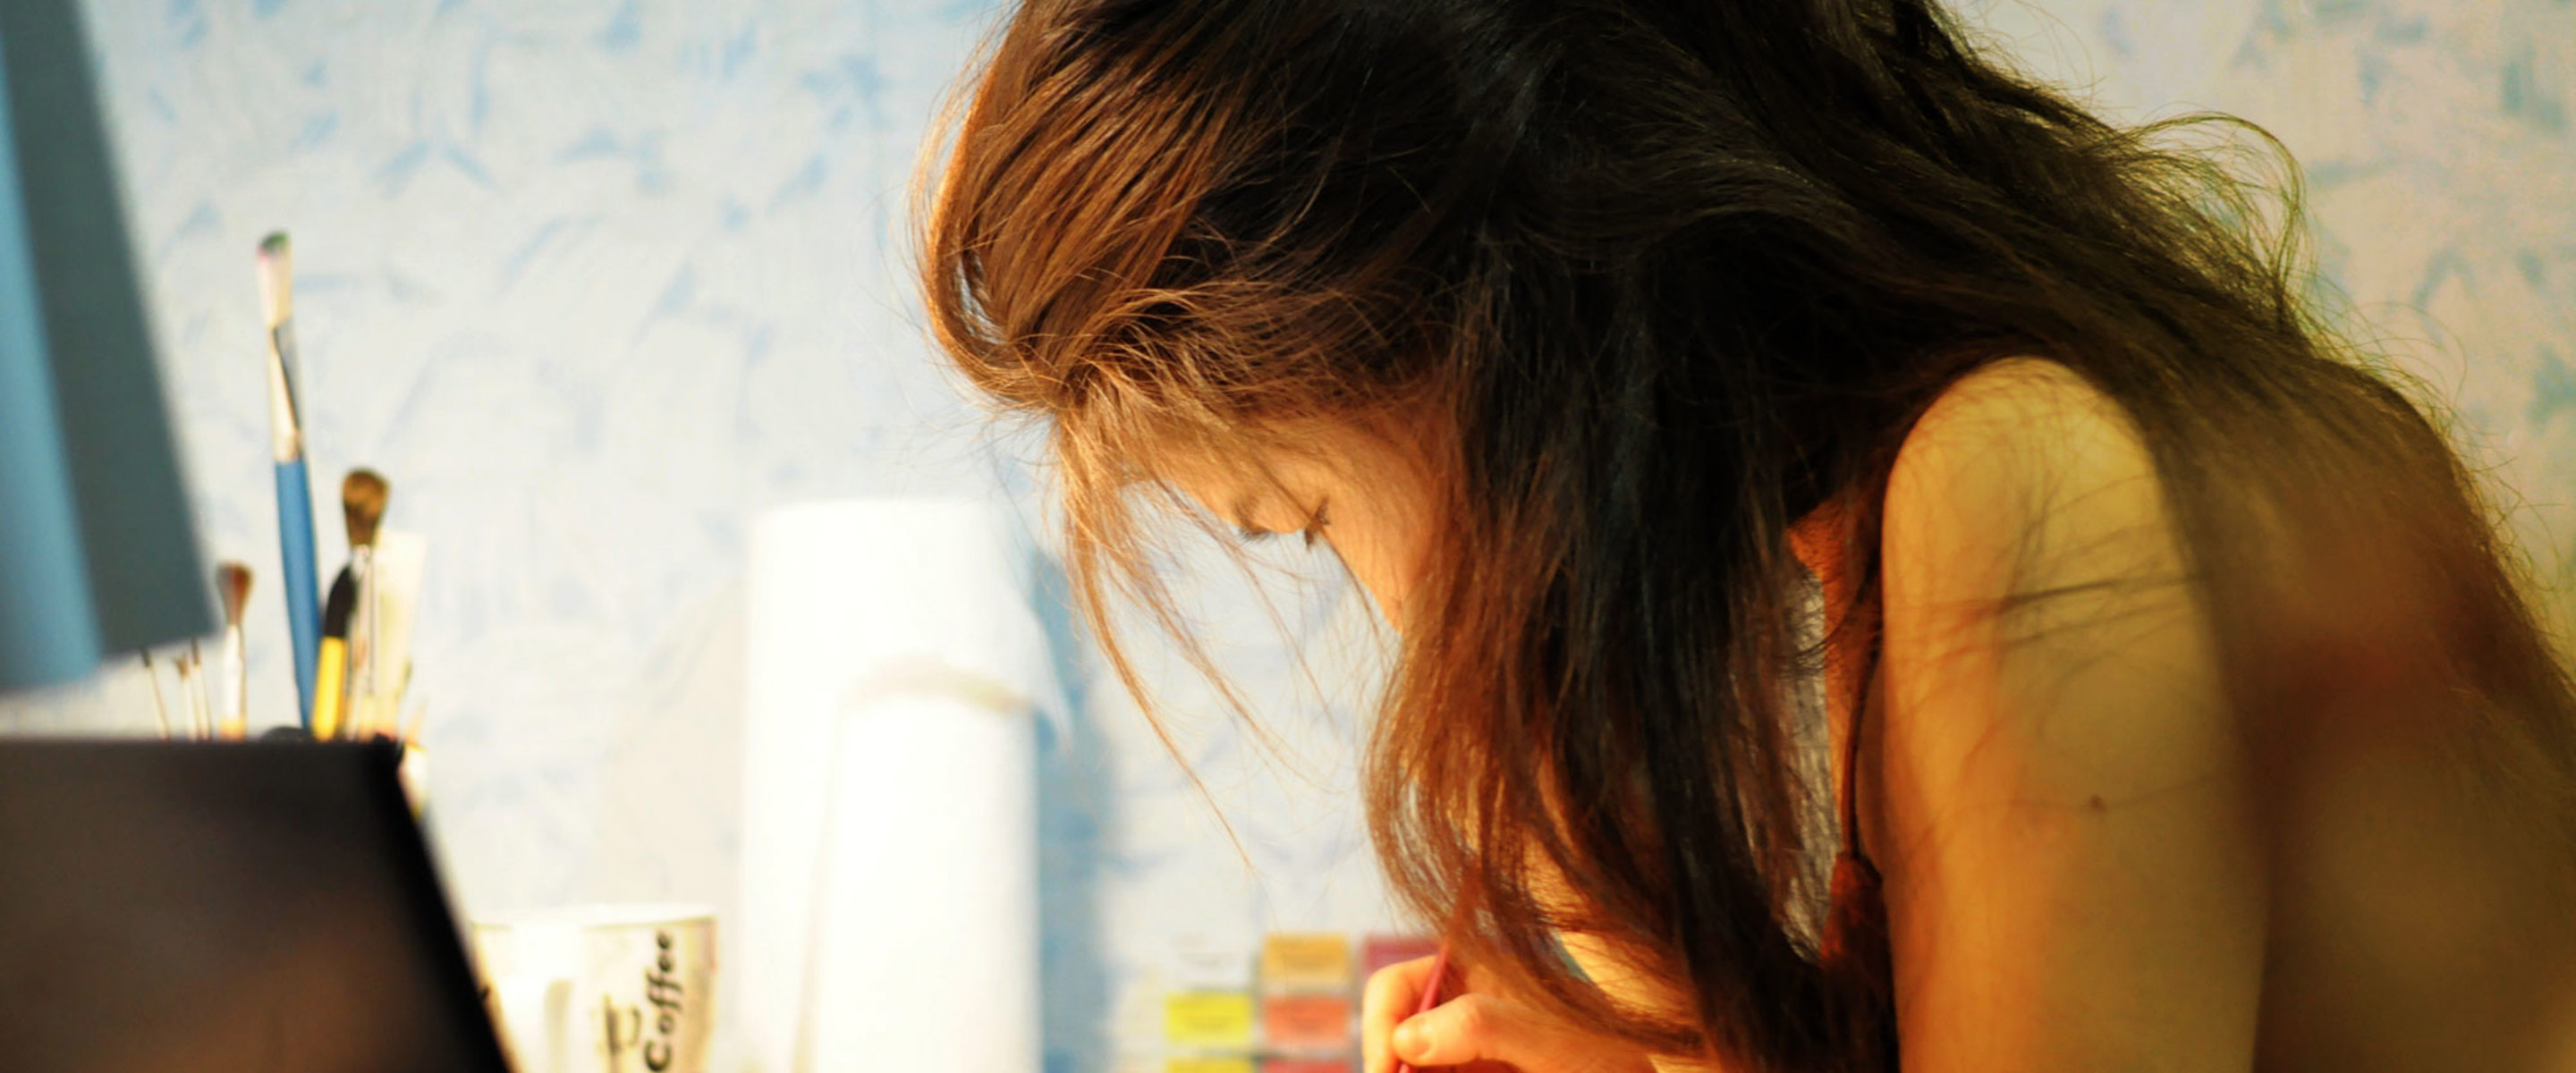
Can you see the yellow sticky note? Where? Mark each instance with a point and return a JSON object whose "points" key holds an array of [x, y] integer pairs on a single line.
{"points": [[1208, 1019], [1205, 1064], [1315, 962]]}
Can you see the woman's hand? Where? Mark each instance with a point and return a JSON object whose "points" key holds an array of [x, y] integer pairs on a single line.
{"points": [[1476, 1030]]}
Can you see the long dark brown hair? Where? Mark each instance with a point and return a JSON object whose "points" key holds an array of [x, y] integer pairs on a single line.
{"points": [[1670, 275]]}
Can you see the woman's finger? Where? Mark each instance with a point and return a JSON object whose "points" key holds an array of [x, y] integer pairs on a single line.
{"points": [[1469, 1028], [1392, 994], [1477, 1033]]}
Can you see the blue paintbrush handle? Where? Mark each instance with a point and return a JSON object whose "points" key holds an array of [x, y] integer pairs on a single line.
{"points": [[295, 554]]}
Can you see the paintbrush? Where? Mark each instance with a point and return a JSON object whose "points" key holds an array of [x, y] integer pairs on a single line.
{"points": [[347, 626], [393, 584], [1432, 982], [363, 499], [331, 670], [286, 445], [192, 684], [160, 710], [232, 583]]}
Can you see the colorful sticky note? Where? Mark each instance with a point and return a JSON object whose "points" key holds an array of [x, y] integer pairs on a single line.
{"points": [[1306, 1022], [1380, 951], [1221, 1019], [1305, 1065], [1309, 962], [1232, 1063]]}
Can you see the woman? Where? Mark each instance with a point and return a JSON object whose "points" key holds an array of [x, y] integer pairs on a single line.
{"points": [[2183, 709]]}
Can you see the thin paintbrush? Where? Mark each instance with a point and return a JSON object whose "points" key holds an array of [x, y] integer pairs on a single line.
{"points": [[286, 443], [363, 499], [160, 710], [192, 683], [339, 689], [393, 582], [232, 582]]}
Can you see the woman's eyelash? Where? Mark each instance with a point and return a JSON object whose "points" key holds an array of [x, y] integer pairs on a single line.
{"points": [[1313, 531], [1315, 525]]}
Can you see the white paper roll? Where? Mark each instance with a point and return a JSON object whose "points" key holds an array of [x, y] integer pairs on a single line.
{"points": [[889, 867]]}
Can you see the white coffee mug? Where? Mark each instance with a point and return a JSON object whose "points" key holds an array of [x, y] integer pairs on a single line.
{"points": [[602, 988]]}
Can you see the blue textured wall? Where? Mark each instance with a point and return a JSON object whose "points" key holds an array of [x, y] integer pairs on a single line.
{"points": [[594, 280], [2441, 175]]}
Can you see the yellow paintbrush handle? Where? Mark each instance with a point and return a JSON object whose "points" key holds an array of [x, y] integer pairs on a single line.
{"points": [[329, 678]]}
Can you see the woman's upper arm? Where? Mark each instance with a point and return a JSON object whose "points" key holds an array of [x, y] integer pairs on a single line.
{"points": [[2073, 872]]}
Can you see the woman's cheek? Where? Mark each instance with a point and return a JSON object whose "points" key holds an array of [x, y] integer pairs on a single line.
{"points": [[1386, 553], [1382, 586]]}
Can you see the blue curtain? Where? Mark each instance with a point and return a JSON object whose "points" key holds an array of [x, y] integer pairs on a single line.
{"points": [[97, 552]]}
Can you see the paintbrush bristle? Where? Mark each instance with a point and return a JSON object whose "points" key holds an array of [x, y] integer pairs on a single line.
{"points": [[362, 502], [232, 582], [276, 279]]}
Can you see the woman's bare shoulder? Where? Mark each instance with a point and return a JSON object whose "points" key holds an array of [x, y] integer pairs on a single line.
{"points": [[2022, 477], [2064, 815]]}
